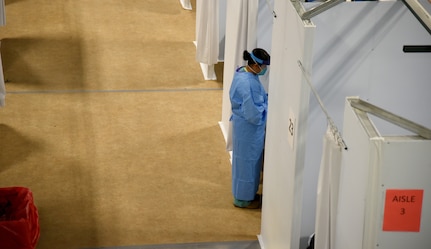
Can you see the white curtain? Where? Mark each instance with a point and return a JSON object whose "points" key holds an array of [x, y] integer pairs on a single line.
{"points": [[207, 31], [186, 4], [2, 13], [241, 34], [327, 192]]}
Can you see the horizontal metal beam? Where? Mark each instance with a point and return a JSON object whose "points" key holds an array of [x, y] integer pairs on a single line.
{"points": [[319, 9], [369, 127], [420, 13], [390, 117]]}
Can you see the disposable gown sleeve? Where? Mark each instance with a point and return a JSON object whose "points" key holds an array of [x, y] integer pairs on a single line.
{"points": [[254, 107]]}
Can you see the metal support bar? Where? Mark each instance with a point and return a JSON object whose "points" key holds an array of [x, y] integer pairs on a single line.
{"points": [[298, 6], [366, 123], [319, 9], [390, 117], [420, 13], [331, 123]]}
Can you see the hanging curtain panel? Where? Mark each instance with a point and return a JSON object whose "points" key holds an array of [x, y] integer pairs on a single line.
{"points": [[241, 29], [207, 30], [186, 4], [2, 13], [327, 191]]}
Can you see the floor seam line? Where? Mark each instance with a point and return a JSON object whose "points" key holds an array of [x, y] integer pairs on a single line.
{"points": [[113, 91]]}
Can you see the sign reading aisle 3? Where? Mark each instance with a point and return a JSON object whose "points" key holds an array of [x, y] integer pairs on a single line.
{"points": [[403, 210]]}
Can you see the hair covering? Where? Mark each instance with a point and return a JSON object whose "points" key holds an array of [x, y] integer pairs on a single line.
{"points": [[260, 61]]}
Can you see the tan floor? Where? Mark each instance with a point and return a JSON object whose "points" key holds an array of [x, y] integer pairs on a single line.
{"points": [[109, 122]]}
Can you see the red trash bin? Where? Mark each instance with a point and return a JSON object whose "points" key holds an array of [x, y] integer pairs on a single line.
{"points": [[19, 219]]}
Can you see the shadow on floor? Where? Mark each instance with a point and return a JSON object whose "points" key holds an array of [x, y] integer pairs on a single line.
{"points": [[42, 62], [16, 147]]}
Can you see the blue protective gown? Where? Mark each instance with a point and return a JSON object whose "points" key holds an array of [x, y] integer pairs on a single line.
{"points": [[249, 102]]}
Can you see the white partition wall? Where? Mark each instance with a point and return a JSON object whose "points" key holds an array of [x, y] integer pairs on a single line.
{"points": [[286, 129], [355, 49], [385, 192], [362, 55]]}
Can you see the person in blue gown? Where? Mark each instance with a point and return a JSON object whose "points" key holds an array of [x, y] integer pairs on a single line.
{"points": [[249, 102]]}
